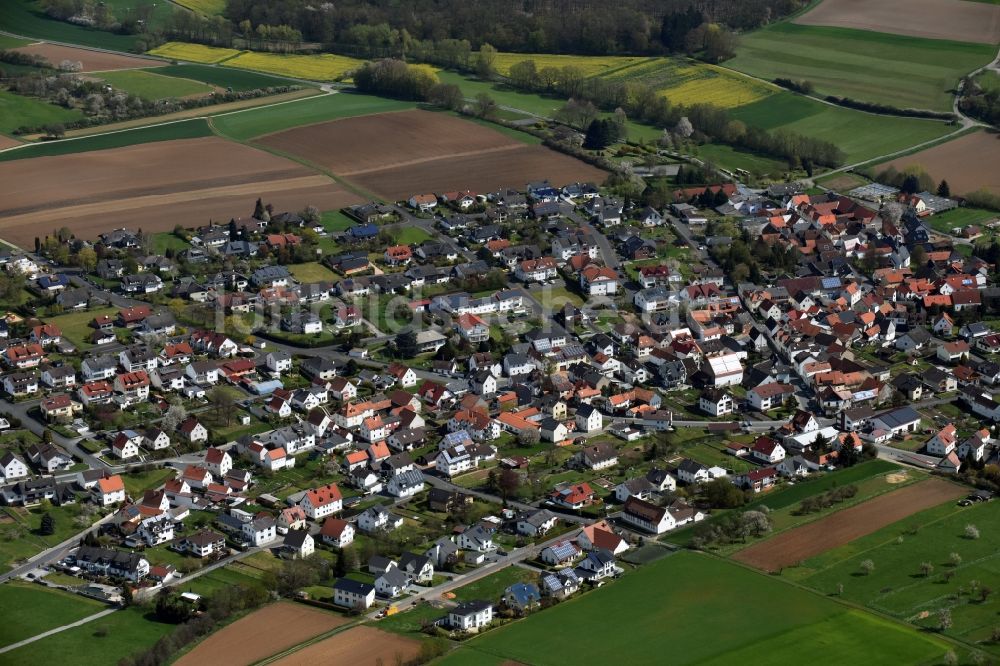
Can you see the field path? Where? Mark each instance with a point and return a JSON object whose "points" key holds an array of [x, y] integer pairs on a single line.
{"points": [[801, 543], [46, 634]]}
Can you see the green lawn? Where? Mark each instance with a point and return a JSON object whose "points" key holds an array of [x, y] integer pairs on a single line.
{"points": [[185, 129], [410, 235], [411, 621], [311, 272], [252, 123], [124, 633], [218, 579], [334, 220], [39, 609], [154, 86], [698, 609], [20, 537], [136, 483], [17, 111], [7, 42], [959, 217], [491, 587], [25, 17], [897, 587], [167, 240], [905, 72], [224, 77], [76, 325], [860, 135]]}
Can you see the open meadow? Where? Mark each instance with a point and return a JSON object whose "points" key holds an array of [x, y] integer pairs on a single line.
{"points": [[399, 154], [935, 19], [969, 163], [906, 72], [673, 609], [196, 180], [897, 583], [153, 85], [40, 609], [251, 638], [193, 52], [795, 545]]}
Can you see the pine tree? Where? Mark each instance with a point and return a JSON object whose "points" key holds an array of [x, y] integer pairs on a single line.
{"points": [[944, 190], [48, 527]]}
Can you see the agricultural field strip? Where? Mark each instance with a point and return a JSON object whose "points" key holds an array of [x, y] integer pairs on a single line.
{"points": [[424, 160]]}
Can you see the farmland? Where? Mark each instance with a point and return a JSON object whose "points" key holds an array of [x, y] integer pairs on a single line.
{"points": [[188, 129], [841, 527], [450, 153], [355, 646], [99, 643], [588, 65], [258, 122], [92, 61], [249, 639], [26, 17], [906, 72], [207, 7], [41, 609], [860, 135], [969, 163], [177, 178], [193, 52], [631, 620], [321, 67], [689, 82], [933, 19], [896, 584], [221, 76], [154, 86]]}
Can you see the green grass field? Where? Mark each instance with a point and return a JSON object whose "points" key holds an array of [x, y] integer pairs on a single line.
{"points": [[168, 240], [125, 633], [243, 125], [8, 42], [25, 17], [154, 86], [76, 325], [733, 158], [185, 129], [959, 217], [334, 220], [237, 79], [410, 236], [136, 483], [18, 110], [311, 272], [40, 609], [220, 578], [690, 608], [860, 135], [897, 586], [491, 587], [906, 72]]}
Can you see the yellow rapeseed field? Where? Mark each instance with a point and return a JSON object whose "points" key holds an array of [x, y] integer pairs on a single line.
{"points": [[589, 65], [319, 67], [689, 82], [206, 7], [193, 52]]}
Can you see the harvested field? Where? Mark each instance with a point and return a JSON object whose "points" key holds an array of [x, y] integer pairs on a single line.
{"points": [[842, 527], [93, 61], [360, 645], [934, 19], [152, 186], [254, 637], [398, 154], [7, 142], [968, 163]]}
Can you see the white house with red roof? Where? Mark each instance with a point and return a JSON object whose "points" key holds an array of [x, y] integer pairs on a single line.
{"points": [[337, 532], [192, 430], [601, 535], [598, 280], [323, 501], [944, 442], [767, 450], [197, 476], [110, 490], [575, 496], [126, 444], [219, 462], [403, 375]]}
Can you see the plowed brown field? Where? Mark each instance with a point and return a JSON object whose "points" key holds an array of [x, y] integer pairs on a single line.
{"points": [[400, 154], [261, 634], [360, 645], [968, 163], [93, 61], [959, 20], [801, 543], [154, 187]]}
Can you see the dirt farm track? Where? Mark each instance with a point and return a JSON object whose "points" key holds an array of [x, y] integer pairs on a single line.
{"points": [[959, 20], [400, 154], [261, 634], [154, 187], [359, 646], [837, 529]]}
